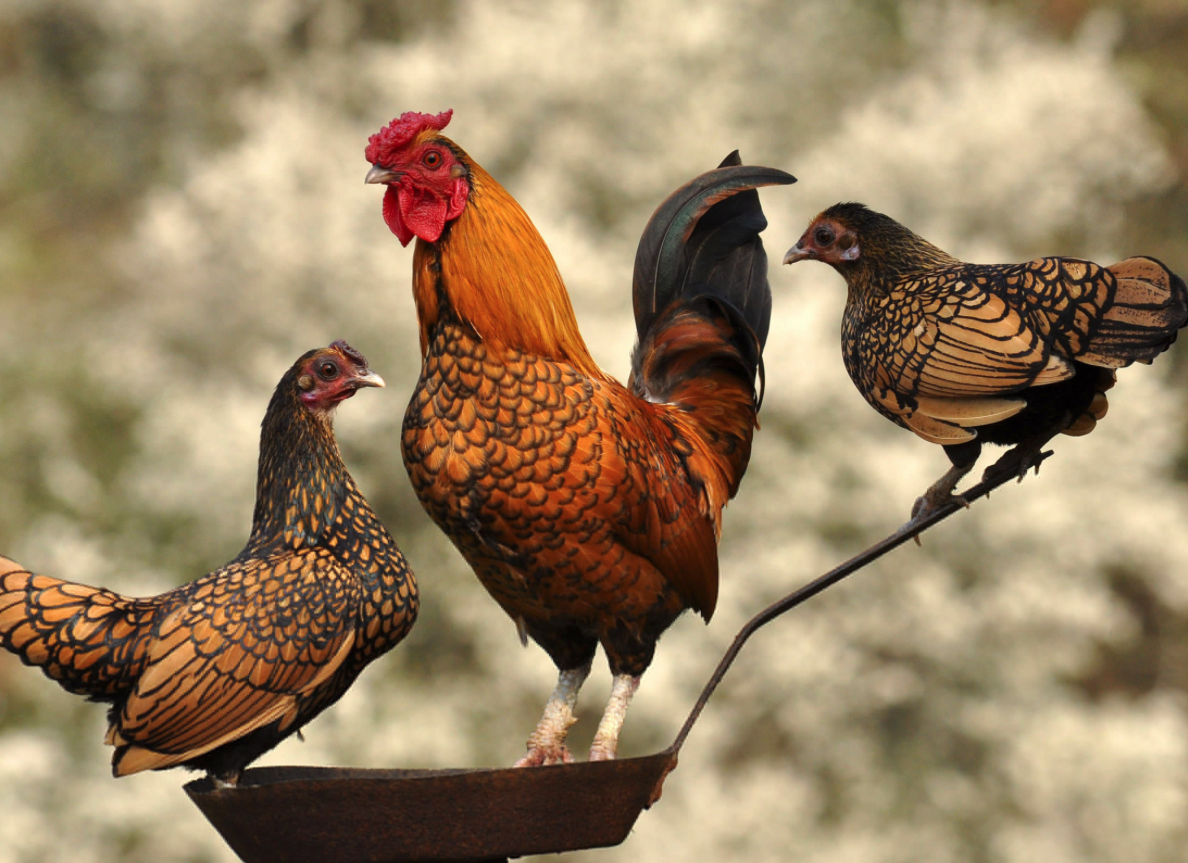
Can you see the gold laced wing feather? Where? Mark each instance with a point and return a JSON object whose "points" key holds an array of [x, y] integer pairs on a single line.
{"points": [[254, 638], [944, 351], [969, 413], [962, 341]]}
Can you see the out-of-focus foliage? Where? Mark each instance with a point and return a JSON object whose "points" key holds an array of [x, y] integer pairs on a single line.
{"points": [[182, 212]]}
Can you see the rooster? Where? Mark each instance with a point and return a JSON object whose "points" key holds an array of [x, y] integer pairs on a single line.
{"points": [[966, 354], [589, 510], [212, 674]]}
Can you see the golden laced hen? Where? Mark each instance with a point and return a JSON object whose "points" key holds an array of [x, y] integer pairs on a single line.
{"points": [[589, 510], [966, 354], [212, 674]]}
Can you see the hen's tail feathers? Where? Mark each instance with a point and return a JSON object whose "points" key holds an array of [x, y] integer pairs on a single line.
{"points": [[90, 640], [1150, 306]]}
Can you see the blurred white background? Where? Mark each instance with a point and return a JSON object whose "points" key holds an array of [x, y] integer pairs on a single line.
{"points": [[182, 213]]}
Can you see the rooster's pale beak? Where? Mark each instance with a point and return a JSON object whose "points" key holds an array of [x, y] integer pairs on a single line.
{"points": [[797, 253], [380, 174], [369, 379]]}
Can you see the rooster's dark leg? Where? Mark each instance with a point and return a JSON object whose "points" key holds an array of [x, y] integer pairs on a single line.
{"points": [[606, 741], [940, 493], [547, 743]]}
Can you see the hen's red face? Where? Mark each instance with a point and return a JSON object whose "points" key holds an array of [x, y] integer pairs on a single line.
{"points": [[427, 183], [826, 240], [334, 374]]}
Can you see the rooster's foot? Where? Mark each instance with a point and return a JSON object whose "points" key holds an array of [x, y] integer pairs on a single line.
{"points": [[603, 753], [606, 741], [544, 755], [547, 743]]}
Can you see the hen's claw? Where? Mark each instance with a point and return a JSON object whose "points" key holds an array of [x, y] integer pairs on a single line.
{"points": [[926, 504], [939, 495], [1016, 462]]}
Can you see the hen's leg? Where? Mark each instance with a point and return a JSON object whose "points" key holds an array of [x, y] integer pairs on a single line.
{"points": [[1020, 458], [940, 493], [547, 743], [606, 741]]}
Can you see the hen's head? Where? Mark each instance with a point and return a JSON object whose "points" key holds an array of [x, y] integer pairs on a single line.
{"points": [[863, 245], [428, 181], [327, 376], [833, 237]]}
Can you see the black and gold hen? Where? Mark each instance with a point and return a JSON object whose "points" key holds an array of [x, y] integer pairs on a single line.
{"points": [[966, 354], [212, 674]]}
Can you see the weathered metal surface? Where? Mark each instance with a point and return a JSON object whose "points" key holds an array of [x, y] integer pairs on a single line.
{"points": [[339, 815]]}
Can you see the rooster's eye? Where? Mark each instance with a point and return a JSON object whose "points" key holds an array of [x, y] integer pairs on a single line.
{"points": [[432, 159], [328, 370], [823, 236]]}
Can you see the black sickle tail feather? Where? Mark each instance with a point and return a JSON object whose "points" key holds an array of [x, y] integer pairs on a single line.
{"points": [[90, 640], [1149, 308], [702, 308], [701, 249]]}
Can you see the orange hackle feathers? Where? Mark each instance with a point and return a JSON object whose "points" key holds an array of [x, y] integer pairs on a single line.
{"points": [[500, 278]]}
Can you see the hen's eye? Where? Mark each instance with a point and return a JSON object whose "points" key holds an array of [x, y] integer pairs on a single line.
{"points": [[432, 159], [823, 236], [328, 370]]}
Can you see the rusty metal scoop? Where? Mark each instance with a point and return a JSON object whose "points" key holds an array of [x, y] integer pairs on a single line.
{"points": [[345, 815]]}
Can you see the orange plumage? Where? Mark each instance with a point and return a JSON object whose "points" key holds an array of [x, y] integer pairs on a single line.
{"points": [[588, 510]]}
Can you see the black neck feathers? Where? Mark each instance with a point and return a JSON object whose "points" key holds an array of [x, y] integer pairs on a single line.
{"points": [[302, 481]]}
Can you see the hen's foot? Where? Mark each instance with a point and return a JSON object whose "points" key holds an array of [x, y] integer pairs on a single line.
{"points": [[934, 501], [1017, 461], [939, 495]]}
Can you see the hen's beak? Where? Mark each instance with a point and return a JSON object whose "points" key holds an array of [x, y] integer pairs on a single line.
{"points": [[798, 253], [379, 174], [369, 379]]}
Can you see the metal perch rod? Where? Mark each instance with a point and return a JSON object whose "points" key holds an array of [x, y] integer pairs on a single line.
{"points": [[911, 530]]}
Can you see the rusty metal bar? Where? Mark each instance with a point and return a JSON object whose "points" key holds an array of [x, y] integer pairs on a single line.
{"points": [[911, 530]]}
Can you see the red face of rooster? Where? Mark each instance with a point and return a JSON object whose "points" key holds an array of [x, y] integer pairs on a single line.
{"points": [[427, 183], [332, 375]]}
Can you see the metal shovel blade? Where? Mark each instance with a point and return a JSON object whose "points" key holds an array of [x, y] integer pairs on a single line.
{"points": [[343, 815]]}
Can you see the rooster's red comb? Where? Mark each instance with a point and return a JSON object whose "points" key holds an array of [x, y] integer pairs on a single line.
{"points": [[397, 134]]}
